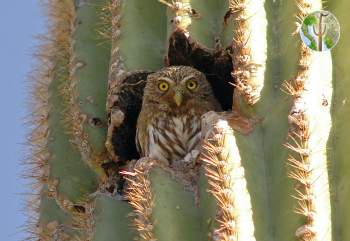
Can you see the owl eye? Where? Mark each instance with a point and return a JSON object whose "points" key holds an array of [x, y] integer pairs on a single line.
{"points": [[191, 85], [163, 86]]}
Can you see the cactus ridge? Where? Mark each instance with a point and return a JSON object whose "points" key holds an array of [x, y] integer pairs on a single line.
{"points": [[227, 182], [248, 66]]}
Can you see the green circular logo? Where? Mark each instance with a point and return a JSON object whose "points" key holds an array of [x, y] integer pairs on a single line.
{"points": [[320, 31]]}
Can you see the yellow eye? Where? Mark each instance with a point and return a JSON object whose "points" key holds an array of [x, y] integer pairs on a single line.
{"points": [[191, 85], [163, 86]]}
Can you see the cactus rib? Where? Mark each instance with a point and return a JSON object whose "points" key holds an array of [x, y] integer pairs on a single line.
{"points": [[227, 182], [141, 198]]}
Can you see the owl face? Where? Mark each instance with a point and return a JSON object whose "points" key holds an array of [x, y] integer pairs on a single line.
{"points": [[177, 88]]}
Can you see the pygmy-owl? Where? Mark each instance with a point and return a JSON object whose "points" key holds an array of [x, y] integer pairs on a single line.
{"points": [[169, 124]]}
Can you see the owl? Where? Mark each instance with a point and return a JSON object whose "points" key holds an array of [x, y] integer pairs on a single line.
{"points": [[169, 124]]}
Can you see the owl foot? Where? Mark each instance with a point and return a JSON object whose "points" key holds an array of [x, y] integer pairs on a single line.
{"points": [[188, 162]]}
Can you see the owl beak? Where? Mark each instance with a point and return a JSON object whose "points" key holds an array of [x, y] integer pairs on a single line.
{"points": [[178, 98]]}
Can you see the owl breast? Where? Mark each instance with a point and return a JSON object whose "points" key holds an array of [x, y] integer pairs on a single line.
{"points": [[171, 138]]}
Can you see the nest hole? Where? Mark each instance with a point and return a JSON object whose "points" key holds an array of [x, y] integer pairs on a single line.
{"points": [[215, 64]]}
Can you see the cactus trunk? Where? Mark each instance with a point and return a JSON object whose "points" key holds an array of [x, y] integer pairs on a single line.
{"points": [[273, 165]]}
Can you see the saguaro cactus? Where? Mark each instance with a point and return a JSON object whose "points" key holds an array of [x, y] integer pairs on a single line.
{"points": [[321, 30], [273, 165]]}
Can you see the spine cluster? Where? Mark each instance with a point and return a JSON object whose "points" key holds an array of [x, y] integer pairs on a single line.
{"points": [[299, 134], [183, 13], [117, 68], [140, 197]]}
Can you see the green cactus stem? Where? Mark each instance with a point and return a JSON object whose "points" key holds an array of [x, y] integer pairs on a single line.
{"points": [[54, 222], [142, 31], [68, 173], [174, 205], [111, 219]]}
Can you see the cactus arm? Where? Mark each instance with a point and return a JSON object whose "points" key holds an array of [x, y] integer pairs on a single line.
{"points": [[63, 179], [321, 31], [314, 30], [251, 149], [310, 126], [141, 199]]}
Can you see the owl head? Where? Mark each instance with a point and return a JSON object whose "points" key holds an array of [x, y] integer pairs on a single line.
{"points": [[177, 88]]}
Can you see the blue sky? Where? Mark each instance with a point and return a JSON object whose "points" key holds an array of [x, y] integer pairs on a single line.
{"points": [[20, 21]]}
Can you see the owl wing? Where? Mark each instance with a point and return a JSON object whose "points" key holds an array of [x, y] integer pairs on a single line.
{"points": [[141, 140]]}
